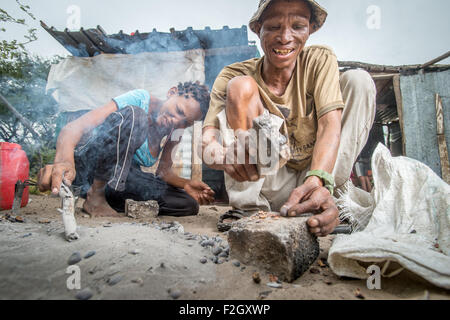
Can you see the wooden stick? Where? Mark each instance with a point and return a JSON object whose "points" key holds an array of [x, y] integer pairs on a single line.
{"points": [[440, 58], [442, 143], [68, 213], [16, 113]]}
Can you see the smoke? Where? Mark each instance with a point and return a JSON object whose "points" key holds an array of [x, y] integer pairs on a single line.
{"points": [[22, 83]]}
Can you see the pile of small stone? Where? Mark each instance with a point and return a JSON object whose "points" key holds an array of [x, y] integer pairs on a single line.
{"points": [[217, 247], [169, 226]]}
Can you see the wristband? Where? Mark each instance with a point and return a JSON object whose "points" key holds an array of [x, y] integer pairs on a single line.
{"points": [[327, 179]]}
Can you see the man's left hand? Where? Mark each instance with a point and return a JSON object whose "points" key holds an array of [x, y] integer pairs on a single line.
{"points": [[312, 197], [200, 191]]}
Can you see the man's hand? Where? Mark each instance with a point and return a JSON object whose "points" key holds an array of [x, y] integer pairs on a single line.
{"points": [[229, 159], [51, 176], [312, 197], [200, 191]]}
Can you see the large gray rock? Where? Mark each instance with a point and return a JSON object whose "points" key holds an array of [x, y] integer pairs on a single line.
{"points": [[141, 209], [282, 246]]}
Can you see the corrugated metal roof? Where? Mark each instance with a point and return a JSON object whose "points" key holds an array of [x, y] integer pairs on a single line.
{"points": [[91, 42]]}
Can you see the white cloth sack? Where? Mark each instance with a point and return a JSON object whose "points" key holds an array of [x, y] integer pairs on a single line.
{"points": [[405, 219], [88, 83]]}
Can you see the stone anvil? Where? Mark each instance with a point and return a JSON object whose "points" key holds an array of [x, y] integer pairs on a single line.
{"points": [[282, 246]]}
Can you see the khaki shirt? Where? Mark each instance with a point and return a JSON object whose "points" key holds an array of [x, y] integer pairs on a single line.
{"points": [[313, 91]]}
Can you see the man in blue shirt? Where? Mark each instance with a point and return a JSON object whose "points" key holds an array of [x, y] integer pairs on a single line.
{"points": [[127, 135]]}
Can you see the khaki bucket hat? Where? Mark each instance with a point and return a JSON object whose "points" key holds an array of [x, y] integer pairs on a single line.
{"points": [[319, 15]]}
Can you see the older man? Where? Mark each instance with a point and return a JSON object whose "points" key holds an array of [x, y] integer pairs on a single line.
{"points": [[326, 118]]}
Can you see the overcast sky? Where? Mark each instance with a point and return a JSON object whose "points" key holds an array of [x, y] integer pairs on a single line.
{"points": [[375, 31]]}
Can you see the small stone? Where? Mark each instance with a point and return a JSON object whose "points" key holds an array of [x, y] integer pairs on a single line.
{"points": [[84, 294], [414, 231], [74, 258], [236, 263], [314, 270], [175, 294], [321, 263], [26, 235], [274, 285], [243, 268], [216, 251], [89, 254], [207, 243], [256, 277], [328, 283], [220, 261], [203, 260], [264, 294], [139, 281], [273, 278], [20, 219], [223, 254], [358, 294], [44, 221], [135, 252], [115, 280], [215, 259]]}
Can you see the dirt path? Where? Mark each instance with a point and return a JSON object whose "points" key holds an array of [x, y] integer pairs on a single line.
{"points": [[134, 259]]}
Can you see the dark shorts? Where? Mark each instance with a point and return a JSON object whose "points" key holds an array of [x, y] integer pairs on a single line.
{"points": [[107, 155]]}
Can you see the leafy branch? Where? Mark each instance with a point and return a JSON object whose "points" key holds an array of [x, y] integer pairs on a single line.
{"points": [[10, 49]]}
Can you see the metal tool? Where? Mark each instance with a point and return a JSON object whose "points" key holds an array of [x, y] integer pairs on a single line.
{"points": [[18, 194]]}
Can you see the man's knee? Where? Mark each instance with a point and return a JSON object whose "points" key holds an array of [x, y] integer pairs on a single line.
{"points": [[243, 102], [243, 88], [359, 80]]}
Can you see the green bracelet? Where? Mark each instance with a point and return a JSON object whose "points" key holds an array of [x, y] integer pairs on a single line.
{"points": [[327, 179]]}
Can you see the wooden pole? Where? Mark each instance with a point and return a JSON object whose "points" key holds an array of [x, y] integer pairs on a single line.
{"points": [[442, 143], [440, 58]]}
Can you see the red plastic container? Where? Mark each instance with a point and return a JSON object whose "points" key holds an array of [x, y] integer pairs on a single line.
{"points": [[14, 165]]}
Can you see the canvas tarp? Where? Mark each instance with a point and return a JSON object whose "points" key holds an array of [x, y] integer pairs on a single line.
{"points": [[87, 83]]}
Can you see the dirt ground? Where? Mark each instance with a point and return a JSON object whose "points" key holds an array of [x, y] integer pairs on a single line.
{"points": [[135, 260]]}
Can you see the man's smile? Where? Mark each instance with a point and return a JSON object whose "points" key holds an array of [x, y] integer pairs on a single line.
{"points": [[283, 52]]}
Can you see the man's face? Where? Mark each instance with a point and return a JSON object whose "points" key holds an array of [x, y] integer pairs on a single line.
{"points": [[178, 112], [284, 30]]}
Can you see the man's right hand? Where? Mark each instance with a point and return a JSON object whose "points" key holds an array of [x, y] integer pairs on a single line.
{"points": [[233, 166], [51, 176]]}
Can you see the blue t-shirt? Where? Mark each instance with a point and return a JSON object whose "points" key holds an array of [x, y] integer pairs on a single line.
{"points": [[138, 98]]}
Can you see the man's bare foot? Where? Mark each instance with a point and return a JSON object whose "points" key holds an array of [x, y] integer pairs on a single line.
{"points": [[97, 206]]}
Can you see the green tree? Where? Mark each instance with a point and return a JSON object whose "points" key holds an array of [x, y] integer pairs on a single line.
{"points": [[9, 50], [23, 79]]}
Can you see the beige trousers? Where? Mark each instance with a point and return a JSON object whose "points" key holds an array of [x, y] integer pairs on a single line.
{"points": [[272, 192]]}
